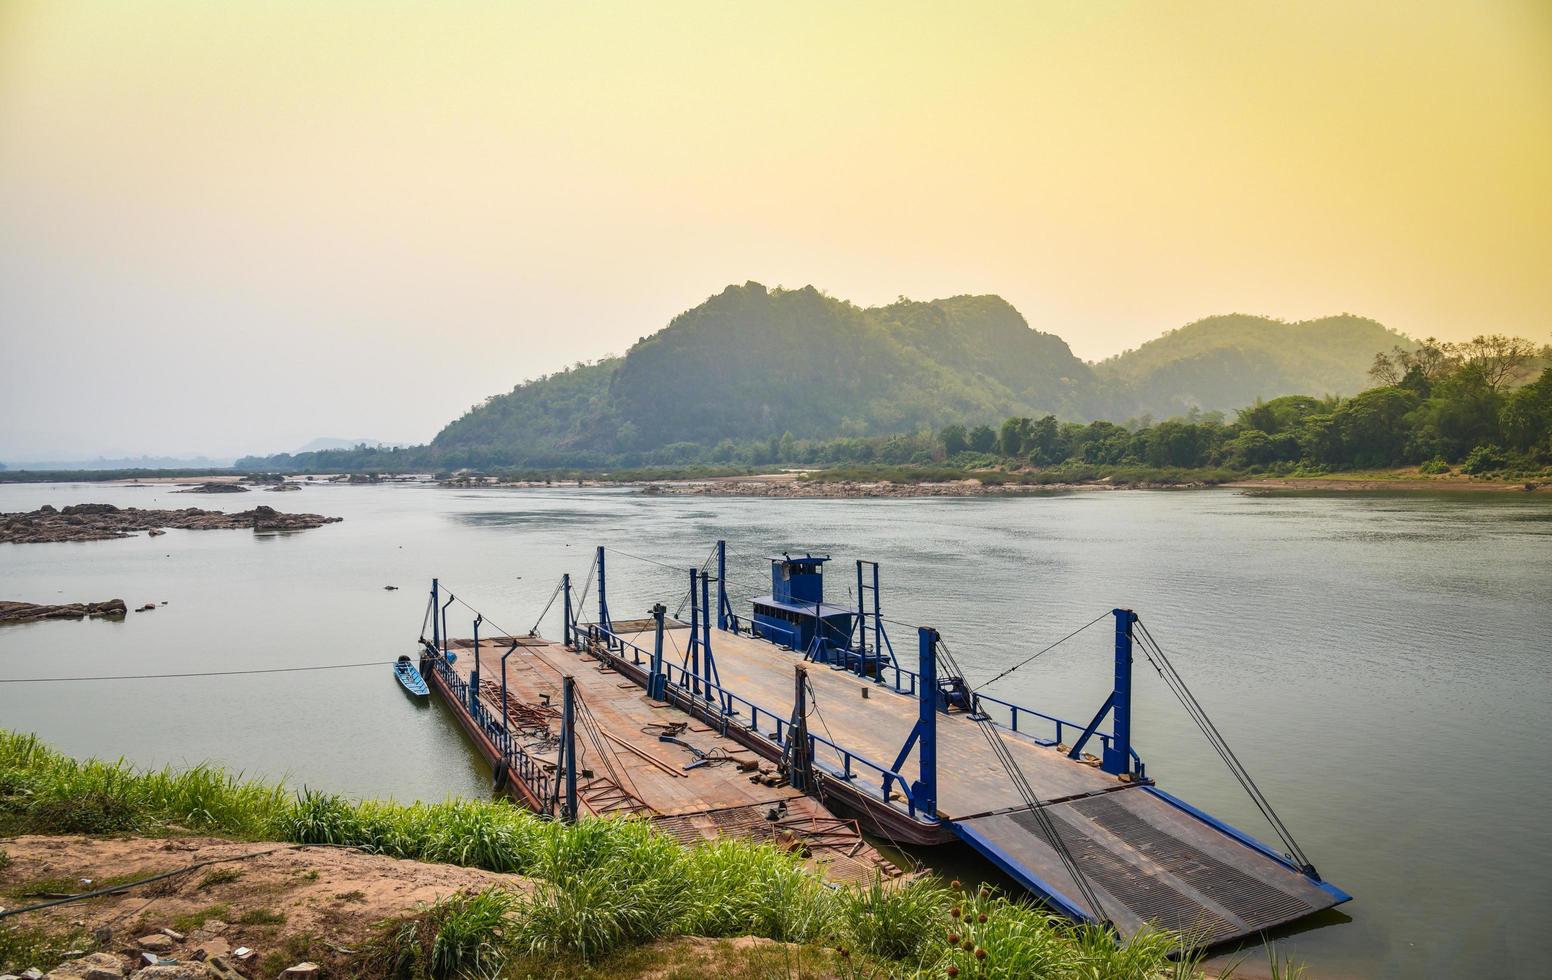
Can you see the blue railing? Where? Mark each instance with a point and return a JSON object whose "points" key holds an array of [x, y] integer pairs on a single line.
{"points": [[889, 675], [842, 764], [906, 681], [519, 763]]}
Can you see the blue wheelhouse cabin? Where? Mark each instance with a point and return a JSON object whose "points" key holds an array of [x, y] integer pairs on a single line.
{"points": [[795, 613]]}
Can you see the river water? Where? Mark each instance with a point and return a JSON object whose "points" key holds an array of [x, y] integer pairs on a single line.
{"points": [[1381, 664]]}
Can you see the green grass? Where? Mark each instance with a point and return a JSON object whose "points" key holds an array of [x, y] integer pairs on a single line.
{"points": [[601, 887], [218, 876], [190, 921], [25, 947], [261, 917]]}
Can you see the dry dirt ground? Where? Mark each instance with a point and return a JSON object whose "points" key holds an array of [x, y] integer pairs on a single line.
{"points": [[332, 896], [290, 903]]}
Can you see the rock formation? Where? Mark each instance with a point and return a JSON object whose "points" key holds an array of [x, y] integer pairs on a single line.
{"points": [[101, 522], [30, 612]]}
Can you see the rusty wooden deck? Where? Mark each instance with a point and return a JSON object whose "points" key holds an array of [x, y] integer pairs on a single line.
{"points": [[629, 772]]}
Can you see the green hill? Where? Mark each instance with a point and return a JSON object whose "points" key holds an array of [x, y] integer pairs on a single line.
{"points": [[1227, 362], [752, 363]]}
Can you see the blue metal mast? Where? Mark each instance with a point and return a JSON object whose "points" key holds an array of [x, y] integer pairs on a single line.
{"points": [[474, 677], [656, 683], [708, 666], [436, 625], [924, 735], [1117, 755], [603, 600], [447, 639], [568, 719], [723, 608], [506, 720], [565, 608], [1116, 758], [927, 719], [695, 635]]}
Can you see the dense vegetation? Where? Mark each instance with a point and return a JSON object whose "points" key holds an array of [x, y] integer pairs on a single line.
{"points": [[1440, 405], [751, 368], [603, 885], [1225, 362]]}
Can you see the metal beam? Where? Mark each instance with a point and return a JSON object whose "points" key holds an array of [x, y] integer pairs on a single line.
{"points": [[1116, 757], [566, 624], [506, 721], [474, 682], [568, 720], [1118, 754], [708, 665], [447, 639], [695, 634], [603, 601], [925, 793], [657, 683], [722, 598], [799, 768], [436, 625]]}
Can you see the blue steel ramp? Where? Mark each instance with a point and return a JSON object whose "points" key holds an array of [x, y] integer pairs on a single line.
{"points": [[1150, 859]]}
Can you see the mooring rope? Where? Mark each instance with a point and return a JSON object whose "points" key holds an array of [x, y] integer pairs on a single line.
{"points": [[193, 673]]}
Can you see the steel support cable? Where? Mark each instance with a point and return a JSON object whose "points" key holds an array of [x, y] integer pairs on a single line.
{"points": [[1176, 684], [1225, 752], [688, 595], [1027, 660], [1172, 682], [1036, 808], [193, 673], [484, 619], [430, 604], [587, 585], [649, 561], [1220, 744], [1021, 782], [553, 596]]}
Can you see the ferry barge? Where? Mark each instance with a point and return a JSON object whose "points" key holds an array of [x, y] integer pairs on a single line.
{"points": [[905, 747]]}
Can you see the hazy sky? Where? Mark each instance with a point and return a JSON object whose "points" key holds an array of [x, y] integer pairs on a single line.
{"points": [[232, 227]]}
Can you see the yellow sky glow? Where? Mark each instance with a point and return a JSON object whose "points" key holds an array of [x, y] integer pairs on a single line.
{"points": [[495, 190]]}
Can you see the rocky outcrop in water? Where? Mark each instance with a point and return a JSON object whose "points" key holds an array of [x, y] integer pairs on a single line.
{"points": [[215, 487], [31, 612], [101, 522]]}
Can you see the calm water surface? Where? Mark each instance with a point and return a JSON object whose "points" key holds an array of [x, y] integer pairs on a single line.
{"points": [[1381, 663]]}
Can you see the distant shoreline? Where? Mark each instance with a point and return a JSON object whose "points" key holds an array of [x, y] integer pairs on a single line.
{"points": [[848, 489], [810, 483]]}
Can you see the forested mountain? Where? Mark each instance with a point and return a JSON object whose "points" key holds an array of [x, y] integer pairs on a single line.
{"points": [[752, 363], [1224, 363], [751, 367]]}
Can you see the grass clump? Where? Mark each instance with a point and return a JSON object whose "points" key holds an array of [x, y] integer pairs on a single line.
{"points": [[23, 948], [190, 921], [464, 935], [261, 917], [218, 876]]}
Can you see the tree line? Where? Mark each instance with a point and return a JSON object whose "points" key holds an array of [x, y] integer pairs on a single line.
{"points": [[1478, 405], [1438, 406]]}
